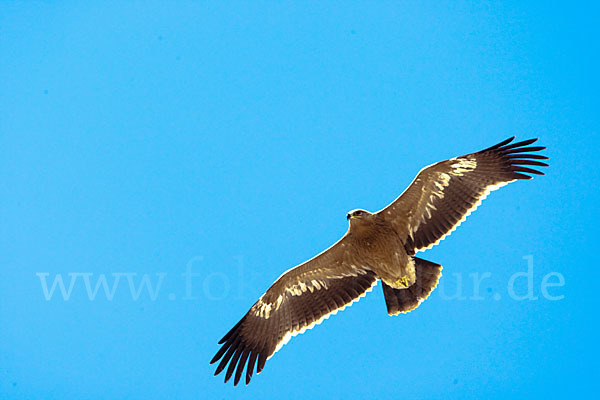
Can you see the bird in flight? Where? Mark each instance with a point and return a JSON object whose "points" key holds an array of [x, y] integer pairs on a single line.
{"points": [[377, 246]]}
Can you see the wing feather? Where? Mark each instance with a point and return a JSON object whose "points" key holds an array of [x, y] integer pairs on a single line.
{"points": [[300, 299], [444, 194]]}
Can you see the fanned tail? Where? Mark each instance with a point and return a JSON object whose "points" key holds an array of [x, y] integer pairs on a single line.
{"points": [[405, 300]]}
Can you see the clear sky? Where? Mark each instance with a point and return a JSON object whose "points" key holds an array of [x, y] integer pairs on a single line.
{"points": [[145, 142]]}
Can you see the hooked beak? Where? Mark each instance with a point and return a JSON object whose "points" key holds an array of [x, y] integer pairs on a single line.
{"points": [[348, 216]]}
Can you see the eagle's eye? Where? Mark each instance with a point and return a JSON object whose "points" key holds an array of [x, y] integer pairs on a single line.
{"points": [[358, 213]]}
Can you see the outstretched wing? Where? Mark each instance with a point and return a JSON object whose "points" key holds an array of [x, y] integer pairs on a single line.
{"points": [[301, 298], [444, 194]]}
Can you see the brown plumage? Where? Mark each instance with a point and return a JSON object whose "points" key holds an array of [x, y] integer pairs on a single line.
{"points": [[377, 246]]}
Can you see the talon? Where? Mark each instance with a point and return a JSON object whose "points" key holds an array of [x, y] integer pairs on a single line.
{"points": [[403, 281]]}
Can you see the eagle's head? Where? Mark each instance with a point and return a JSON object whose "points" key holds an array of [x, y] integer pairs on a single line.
{"points": [[359, 217]]}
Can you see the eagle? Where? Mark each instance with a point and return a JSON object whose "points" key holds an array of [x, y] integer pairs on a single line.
{"points": [[378, 246]]}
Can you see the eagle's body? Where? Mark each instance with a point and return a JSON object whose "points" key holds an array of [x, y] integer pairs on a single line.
{"points": [[377, 238], [377, 246]]}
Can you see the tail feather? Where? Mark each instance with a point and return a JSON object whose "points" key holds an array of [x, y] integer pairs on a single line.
{"points": [[405, 300]]}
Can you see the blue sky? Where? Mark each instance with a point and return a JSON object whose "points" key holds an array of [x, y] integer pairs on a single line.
{"points": [[141, 140]]}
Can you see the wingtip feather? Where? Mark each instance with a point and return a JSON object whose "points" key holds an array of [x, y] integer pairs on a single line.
{"points": [[502, 143]]}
